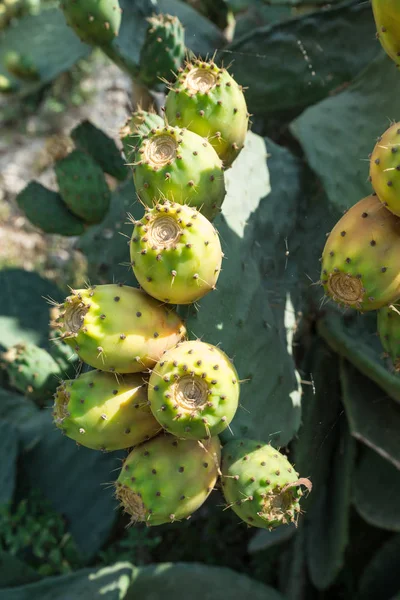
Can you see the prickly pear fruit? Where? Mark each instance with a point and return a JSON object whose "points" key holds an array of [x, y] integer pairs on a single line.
{"points": [[389, 332], [178, 165], [6, 85], [136, 128], [21, 66], [385, 168], [105, 412], [118, 328], [260, 484], [166, 479], [194, 390], [175, 253], [360, 261], [208, 101], [387, 20], [83, 186], [96, 22], [163, 50]]}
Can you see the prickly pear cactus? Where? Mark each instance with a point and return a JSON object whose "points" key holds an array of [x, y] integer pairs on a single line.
{"points": [[96, 22], [21, 66], [387, 19], [260, 484], [163, 50], [208, 101], [167, 479], [118, 328], [194, 390], [136, 128], [178, 165], [360, 261], [104, 412], [389, 332], [385, 168], [175, 253]]}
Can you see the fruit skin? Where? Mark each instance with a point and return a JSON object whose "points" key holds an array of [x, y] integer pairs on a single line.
{"points": [[208, 101], [136, 128], [260, 484], [96, 22], [387, 20], [360, 261], [181, 251], [104, 412], [118, 328], [163, 50], [166, 479], [178, 165], [21, 66], [385, 168], [389, 332], [194, 390]]}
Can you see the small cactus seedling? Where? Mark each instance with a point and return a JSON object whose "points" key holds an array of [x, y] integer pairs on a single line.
{"points": [[166, 479], [104, 412], [208, 101], [389, 332], [360, 261], [387, 20], [175, 253], [260, 484], [136, 128], [21, 66], [385, 168], [179, 165], [163, 50], [96, 22], [118, 328], [194, 390]]}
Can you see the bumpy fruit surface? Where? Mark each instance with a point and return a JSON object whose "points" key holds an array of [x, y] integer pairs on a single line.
{"points": [[163, 50], [105, 412], [194, 390], [175, 253], [208, 101], [136, 128], [118, 328], [96, 22], [389, 332], [178, 165], [385, 168], [260, 484], [167, 479], [387, 20], [361, 258], [21, 66]]}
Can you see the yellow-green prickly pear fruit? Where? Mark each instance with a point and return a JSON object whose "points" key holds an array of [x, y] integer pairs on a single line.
{"points": [[96, 22], [118, 328], [361, 258], [387, 20], [208, 101], [389, 332], [21, 65], [385, 168], [175, 253], [260, 484], [167, 479]]}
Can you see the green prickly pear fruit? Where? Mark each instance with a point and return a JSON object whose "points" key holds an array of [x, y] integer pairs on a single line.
{"points": [[387, 20], [175, 253], [360, 261], [166, 479], [118, 328], [21, 66], [96, 22], [136, 128], [385, 168], [163, 50], [208, 101], [83, 186], [194, 390], [6, 85], [104, 412], [389, 332], [260, 484], [178, 165]]}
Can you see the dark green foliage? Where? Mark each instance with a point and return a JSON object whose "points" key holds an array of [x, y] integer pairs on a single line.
{"points": [[381, 577]]}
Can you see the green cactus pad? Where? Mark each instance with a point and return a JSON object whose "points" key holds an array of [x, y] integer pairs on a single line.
{"points": [[105, 412], [96, 22], [360, 261], [260, 484], [21, 66], [387, 20], [194, 390], [385, 168], [208, 101], [163, 50], [136, 128], [83, 186], [166, 479], [178, 165], [175, 253], [118, 328], [389, 332], [45, 209]]}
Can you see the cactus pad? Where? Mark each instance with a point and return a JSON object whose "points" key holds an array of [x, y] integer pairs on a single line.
{"points": [[385, 168], [96, 22], [387, 20], [136, 128], [389, 332]]}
